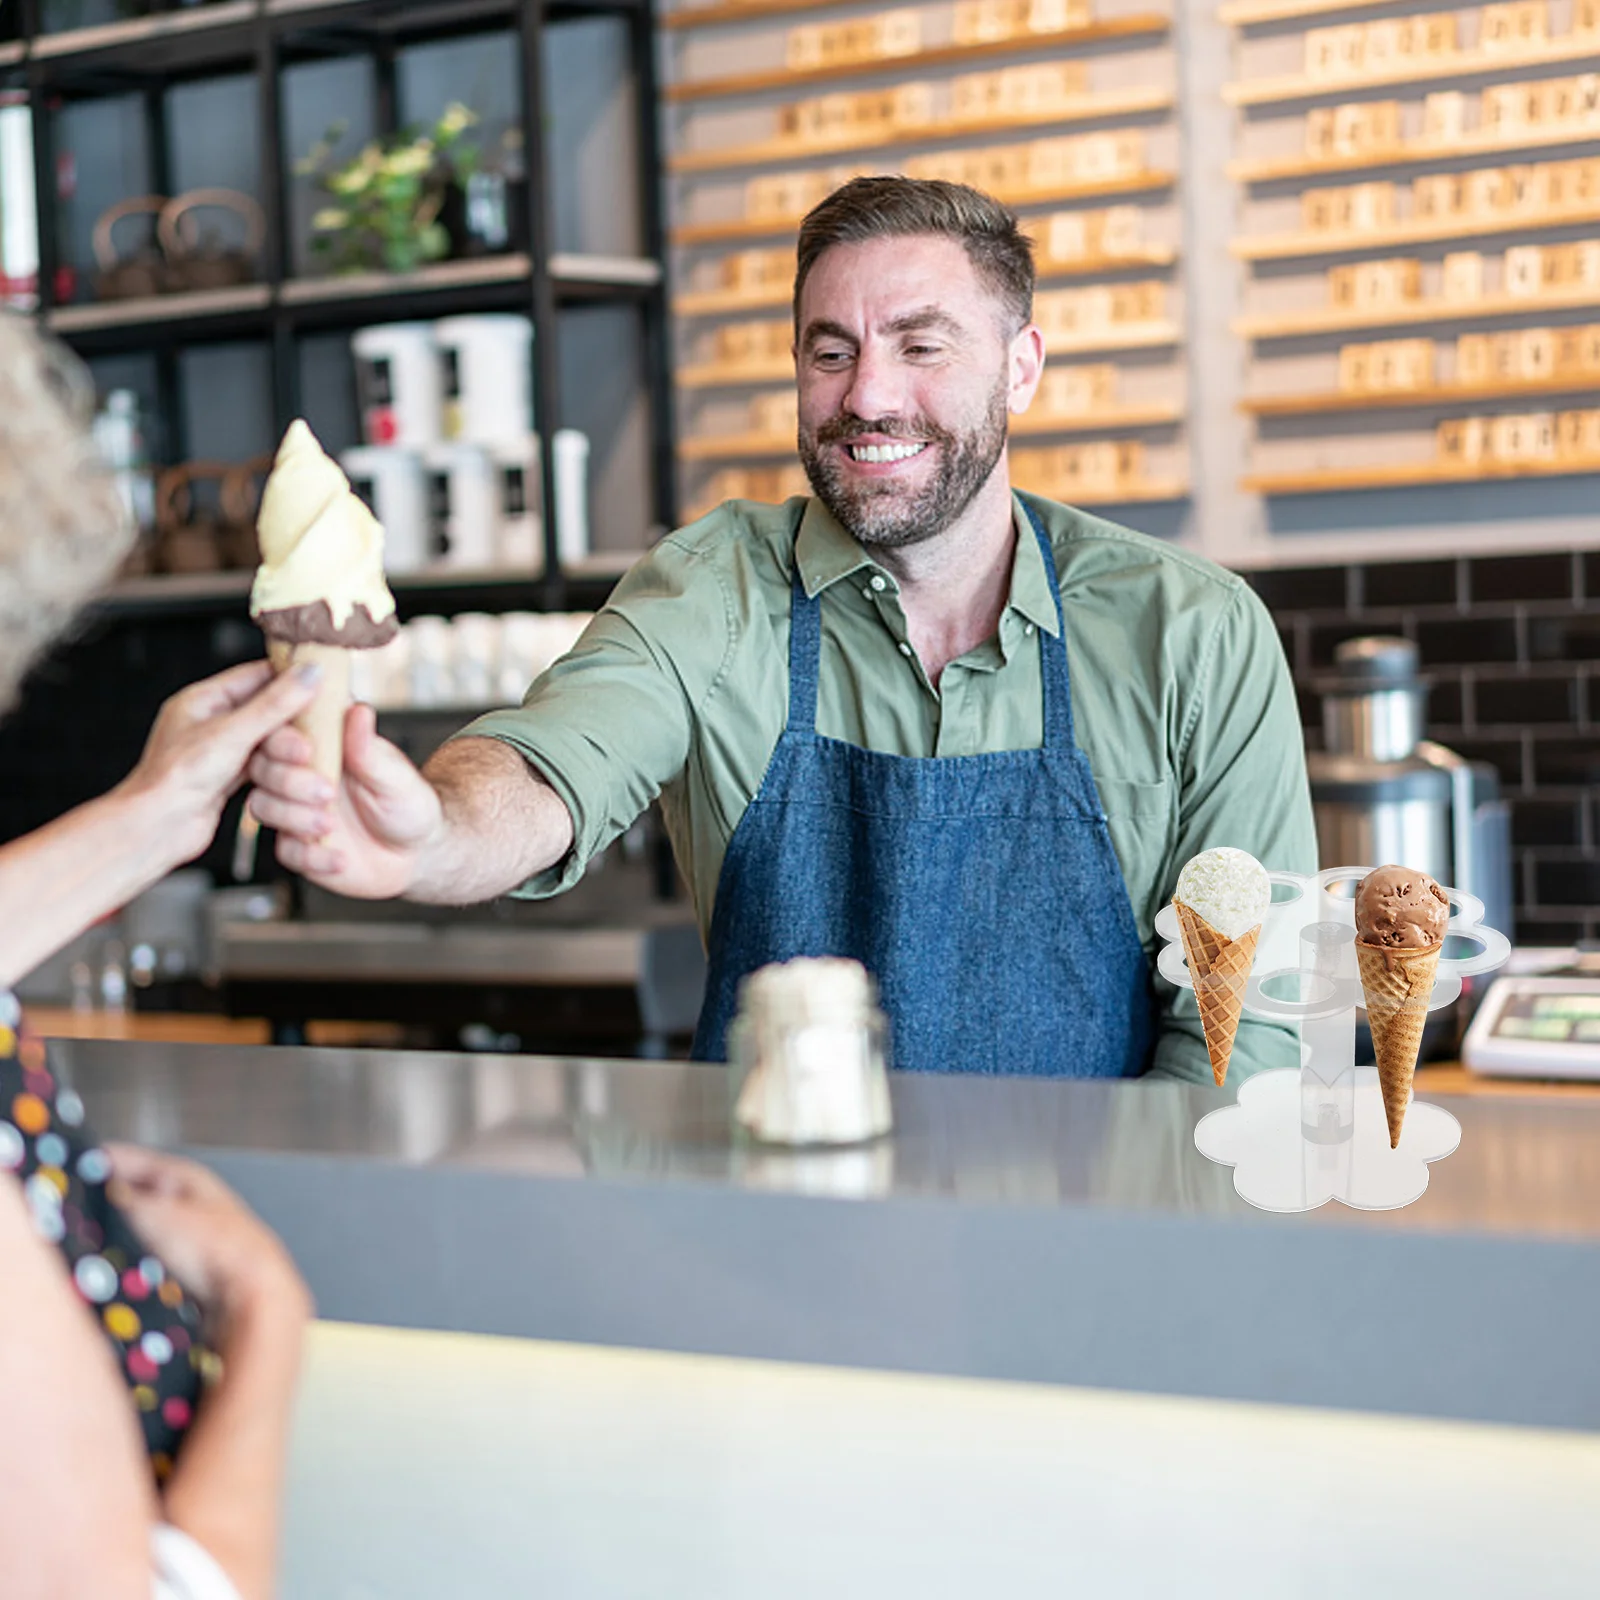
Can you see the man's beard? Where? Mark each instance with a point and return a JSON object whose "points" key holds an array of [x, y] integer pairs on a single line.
{"points": [[888, 514]]}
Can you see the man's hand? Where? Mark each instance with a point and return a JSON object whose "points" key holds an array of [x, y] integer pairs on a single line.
{"points": [[203, 736], [221, 1252], [365, 839]]}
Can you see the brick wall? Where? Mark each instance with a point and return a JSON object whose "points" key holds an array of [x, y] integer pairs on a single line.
{"points": [[1512, 647]]}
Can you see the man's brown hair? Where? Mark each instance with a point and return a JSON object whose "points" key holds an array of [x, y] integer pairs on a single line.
{"points": [[897, 208]]}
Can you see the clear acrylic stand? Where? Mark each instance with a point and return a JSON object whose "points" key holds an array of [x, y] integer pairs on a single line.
{"points": [[1299, 1139]]}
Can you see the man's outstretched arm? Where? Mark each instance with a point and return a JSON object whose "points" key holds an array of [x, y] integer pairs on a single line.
{"points": [[475, 823]]}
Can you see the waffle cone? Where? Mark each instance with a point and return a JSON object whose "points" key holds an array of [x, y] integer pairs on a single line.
{"points": [[1220, 969], [1397, 985], [322, 722]]}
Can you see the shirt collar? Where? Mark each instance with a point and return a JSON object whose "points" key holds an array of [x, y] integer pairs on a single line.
{"points": [[825, 553]]}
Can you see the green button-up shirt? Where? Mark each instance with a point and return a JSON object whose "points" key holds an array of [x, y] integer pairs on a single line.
{"points": [[1181, 699]]}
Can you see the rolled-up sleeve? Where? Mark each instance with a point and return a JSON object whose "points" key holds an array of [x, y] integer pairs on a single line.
{"points": [[610, 724], [1242, 764]]}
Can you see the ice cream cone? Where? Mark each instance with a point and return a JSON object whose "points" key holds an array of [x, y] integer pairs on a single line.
{"points": [[1397, 983], [1220, 968], [322, 722]]}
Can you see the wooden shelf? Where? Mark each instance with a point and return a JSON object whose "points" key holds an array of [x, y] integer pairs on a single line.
{"points": [[765, 447], [1292, 246], [1439, 394], [1085, 108], [1416, 153], [780, 227], [196, 303], [1413, 312], [1341, 479], [1241, 13], [441, 275], [1145, 336], [135, 30], [730, 302], [1151, 493], [733, 11], [1146, 23], [1437, 69]]}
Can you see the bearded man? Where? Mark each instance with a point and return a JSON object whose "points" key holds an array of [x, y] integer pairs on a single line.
{"points": [[965, 735]]}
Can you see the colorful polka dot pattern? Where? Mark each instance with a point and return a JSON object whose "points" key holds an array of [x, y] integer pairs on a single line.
{"points": [[153, 1326]]}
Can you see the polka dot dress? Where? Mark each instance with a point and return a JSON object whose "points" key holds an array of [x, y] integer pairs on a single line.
{"points": [[152, 1324]]}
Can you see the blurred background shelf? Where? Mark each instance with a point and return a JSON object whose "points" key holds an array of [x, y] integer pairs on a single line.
{"points": [[1143, 25], [1085, 108], [1296, 246], [1487, 308], [1444, 394], [1417, 71], [1339, 479], [1413, 153], [1242, 13]]}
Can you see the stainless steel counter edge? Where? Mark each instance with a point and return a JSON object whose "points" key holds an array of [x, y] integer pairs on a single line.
{"points": [[621, 1229]]}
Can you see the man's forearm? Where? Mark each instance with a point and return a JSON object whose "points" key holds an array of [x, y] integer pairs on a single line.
{"points": [[502, 824]]}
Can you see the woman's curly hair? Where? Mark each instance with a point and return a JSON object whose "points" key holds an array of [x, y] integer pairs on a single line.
{"points": [[63, 526]]}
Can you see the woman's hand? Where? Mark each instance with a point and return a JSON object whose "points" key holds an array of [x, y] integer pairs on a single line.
{"points": [[202, 742], [230, 1260]]}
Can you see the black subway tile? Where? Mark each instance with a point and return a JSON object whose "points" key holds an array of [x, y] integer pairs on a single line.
{"points": [[1542, 577], [1504, 755], [1558, 760], [1547, 822], [1468, 641], [1445, 703], [1591, 576], [1522, 700], [1300, 588], [1288, 637], [1409, 583], [1573, 638], [1565, 882], [1559, 934], [1325, 636]]}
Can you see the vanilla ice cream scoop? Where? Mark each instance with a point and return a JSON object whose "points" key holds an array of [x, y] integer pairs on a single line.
{"points": [[321, 574], [1228, 887]]}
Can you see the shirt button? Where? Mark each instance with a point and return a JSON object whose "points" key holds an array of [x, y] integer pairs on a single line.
{"points": [[1028, 630], [879, 582], [905, 649]]}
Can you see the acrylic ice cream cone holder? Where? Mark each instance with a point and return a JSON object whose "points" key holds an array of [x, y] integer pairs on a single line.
{"points": [[1298, 1139]]}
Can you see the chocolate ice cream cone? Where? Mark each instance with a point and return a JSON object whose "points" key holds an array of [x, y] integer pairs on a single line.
{"points": [[322, 722], [1220, 968], [1397, 984]]}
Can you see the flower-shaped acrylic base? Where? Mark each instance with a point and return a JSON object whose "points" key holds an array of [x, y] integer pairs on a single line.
{"points": [[1299, 1139]]}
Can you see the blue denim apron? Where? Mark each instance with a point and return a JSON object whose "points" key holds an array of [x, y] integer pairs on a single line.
{"points": [[982, 892]]}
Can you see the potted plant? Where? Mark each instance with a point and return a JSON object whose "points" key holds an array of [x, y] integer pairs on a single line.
{"points": [[384, 205]]}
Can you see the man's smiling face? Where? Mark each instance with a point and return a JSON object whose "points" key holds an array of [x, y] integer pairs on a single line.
{"points": [[903, 359]]}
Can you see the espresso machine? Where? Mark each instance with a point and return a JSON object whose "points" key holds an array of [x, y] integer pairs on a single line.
{"points": [[1382, 793]]}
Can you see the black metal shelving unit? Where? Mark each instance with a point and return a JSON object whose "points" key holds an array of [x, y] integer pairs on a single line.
{"points": [[171, 45]]}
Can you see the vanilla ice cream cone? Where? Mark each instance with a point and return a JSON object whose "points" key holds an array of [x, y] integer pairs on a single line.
{"points": [[1397, 984], [322, 722], [1220, 968]]}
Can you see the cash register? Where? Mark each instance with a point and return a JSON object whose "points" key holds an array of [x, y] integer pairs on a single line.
{"points": [[1543, 1024]]}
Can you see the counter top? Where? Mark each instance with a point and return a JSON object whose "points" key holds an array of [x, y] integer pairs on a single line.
{"points": [[1062, 1232]]}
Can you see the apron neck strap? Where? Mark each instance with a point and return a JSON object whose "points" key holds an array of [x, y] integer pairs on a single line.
{"points": [[1054, 673], [805, 653]]}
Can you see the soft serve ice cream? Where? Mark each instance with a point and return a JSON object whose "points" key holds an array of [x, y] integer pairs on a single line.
{"points": [[319, 592], [321, 575]]}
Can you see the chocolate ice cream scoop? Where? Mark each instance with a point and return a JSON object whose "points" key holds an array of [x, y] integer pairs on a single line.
{"points": [[1400, 908]]}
